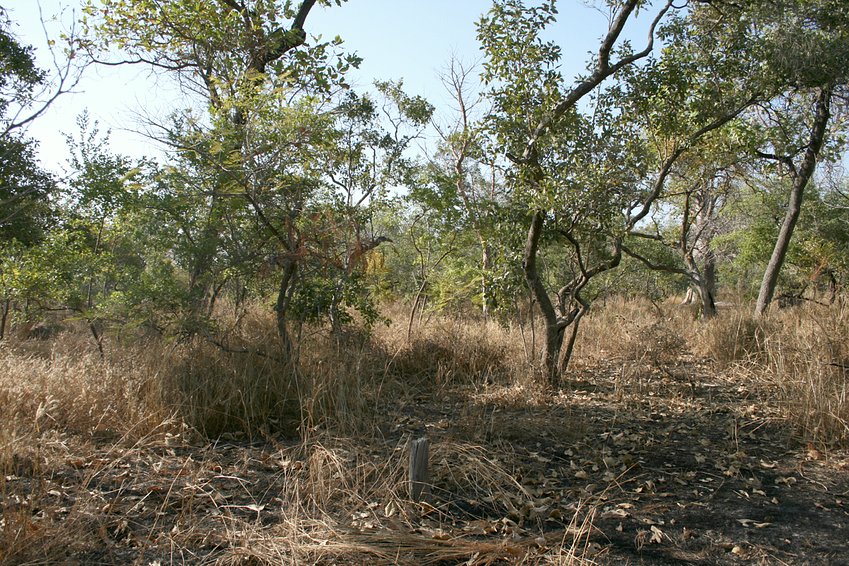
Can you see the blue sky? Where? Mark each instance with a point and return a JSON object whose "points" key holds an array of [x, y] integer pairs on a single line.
{"points": [[411, 40]]}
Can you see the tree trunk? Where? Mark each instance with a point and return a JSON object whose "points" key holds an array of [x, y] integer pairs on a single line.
{"points": [[553, 328], [706, 298], [284, 296], [486, 265], [794, 206], [4, 317], [703, 282], [554, 334], [573, 335], [707, 291], [710, 272]]}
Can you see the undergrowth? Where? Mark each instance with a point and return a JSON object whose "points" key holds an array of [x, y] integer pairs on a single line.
{"points": [[342, 481]]}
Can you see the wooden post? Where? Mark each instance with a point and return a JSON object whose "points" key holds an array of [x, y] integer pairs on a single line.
{"points": [[419, 481]]}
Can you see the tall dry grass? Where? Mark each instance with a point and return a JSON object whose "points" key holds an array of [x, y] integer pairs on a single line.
{"points": [[453, 350], [340, 383], [634, 331], [243, 383], [61, 389], [796, 358], [801, 355]]}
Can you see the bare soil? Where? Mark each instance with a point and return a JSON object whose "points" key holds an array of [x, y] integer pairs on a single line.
{"points": [[674, 465]]}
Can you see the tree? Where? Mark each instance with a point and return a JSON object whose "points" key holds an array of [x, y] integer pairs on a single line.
{"points": [[24, 186], [26, 212], [366, 155], [801, 48], [265, 90], [562, 162], [815, 267], [464, 177], [679, 239], [800, 175], [26, 92]]}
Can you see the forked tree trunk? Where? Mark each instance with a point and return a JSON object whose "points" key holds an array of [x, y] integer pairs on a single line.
{"points": [[794, 206], [553, 328]]}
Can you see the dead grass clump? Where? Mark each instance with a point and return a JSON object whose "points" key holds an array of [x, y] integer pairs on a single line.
{"points": [[348, 503], [342, 381], [455, 351], [361, 483], [327, 381], [731, 337], [310, 542], [79, 395], [32, 533], [217, 392], [633, 330], [806, 362], [467, 472]]}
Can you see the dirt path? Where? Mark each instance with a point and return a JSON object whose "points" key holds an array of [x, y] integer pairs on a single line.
{"points": [[717, 476]]}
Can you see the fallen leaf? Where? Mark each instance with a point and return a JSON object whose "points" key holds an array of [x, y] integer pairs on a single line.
{"points": [[656, 535], [752, 523], [615, 514]]}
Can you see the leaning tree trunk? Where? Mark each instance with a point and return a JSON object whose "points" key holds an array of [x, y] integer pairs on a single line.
{"points": [[794, 206], [573, 336]]}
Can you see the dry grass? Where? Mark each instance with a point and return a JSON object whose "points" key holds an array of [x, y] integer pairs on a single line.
{"points": [[806, 362], [82, 430], [799, 357], [732, 337], [451, 351], [354, 508], [634, 331]]}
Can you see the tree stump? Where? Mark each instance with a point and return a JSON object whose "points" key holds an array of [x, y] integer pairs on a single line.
{"points": [[419, 479]]}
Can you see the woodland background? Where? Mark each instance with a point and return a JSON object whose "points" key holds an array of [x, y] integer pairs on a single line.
{"points": [[548, 280]]}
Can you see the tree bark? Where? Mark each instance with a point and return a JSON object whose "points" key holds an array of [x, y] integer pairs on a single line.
{"points": [[4, 316], [573, 336], [553, 328], [794, 206], [487, 298], [709, 277], [707, 299], [281, 308], [703, 282]]}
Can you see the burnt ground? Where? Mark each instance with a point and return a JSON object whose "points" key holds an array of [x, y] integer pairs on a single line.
{"points": [[680, 465]]}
